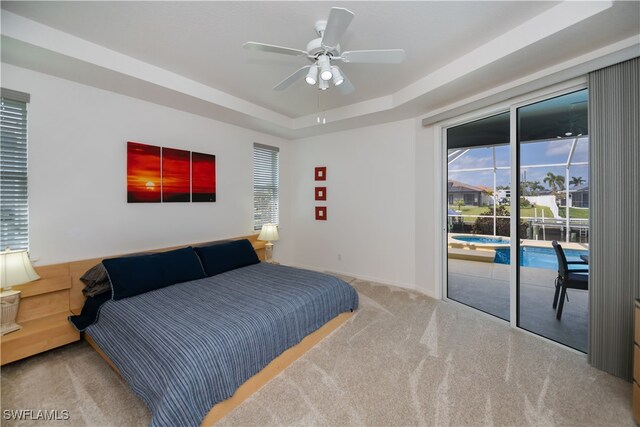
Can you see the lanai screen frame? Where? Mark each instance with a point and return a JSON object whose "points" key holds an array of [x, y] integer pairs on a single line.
{"points": [[461, 152]]}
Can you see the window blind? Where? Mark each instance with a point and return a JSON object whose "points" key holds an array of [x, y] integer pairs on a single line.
{"points": [[614, 270], [265, 185], [14, 214]]}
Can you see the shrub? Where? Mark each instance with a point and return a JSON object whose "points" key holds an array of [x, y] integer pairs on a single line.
{"points": [[484, 224], [524, 203]]}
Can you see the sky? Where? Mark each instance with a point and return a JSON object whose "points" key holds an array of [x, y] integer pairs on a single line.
{"points": [[532, 153]]}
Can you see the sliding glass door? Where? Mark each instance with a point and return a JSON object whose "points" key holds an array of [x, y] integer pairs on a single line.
{"points": [[478, 182], [553, 190], [516, 182]]}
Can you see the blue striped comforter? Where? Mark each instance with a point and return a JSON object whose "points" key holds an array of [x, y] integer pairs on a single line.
{"points": [[186, 347]]}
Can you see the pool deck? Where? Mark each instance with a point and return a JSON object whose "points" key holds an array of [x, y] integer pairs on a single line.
{"points": [[485, 286], [485, 252]]}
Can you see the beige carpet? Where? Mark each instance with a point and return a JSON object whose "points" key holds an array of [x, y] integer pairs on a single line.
{"points": [[403, 359]]}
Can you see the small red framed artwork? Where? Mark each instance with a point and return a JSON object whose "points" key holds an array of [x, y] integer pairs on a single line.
{"points": [[321, 213], [321, 193], [321, 173]]}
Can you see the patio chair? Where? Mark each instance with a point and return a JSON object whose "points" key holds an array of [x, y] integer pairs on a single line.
{"points": [[567, 279]]}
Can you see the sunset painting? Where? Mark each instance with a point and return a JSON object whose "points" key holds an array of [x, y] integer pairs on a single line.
{"points": [[203, 177], [176, 175], [143, 173]]}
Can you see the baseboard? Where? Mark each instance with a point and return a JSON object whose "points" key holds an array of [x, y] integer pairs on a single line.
{"points": [[406, 286]]}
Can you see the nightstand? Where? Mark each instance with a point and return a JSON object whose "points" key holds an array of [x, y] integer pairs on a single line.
{"points": [[43, 311], [636, 364]]}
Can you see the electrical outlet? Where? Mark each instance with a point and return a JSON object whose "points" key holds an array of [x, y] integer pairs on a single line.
{"points": [[339, 257]]}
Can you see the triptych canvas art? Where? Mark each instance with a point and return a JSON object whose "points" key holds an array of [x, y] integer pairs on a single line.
{"points": [[161, 174]]}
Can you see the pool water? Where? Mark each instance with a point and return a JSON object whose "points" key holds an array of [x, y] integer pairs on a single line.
{"points": [[538, 257], [485, 240]]}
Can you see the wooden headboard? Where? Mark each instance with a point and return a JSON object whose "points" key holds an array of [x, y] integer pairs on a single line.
{"points": [[67, 276]]}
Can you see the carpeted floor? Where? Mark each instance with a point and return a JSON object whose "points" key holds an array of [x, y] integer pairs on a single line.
{"points": [[402, 359]]}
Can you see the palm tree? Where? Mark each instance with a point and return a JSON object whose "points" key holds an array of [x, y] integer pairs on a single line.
{"points": [[555, 182], [576, 181], [536, 188]]}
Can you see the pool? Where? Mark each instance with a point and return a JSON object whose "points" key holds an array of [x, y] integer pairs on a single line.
{"points": [[538, 257], [483, 240]]}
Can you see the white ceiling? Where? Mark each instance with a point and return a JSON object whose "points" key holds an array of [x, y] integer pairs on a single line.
{"points": [[202, 41]]}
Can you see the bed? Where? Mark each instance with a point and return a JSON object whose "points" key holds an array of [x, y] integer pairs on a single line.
{"points": [[186, 347]]}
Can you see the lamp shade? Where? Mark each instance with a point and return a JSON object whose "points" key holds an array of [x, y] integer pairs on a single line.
{"points": [[269, 233], [338, 79], [312, 75], [325, 67], [16, 269]]}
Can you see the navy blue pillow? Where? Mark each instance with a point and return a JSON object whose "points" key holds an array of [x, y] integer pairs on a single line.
{"points": [[90, 311], [135, 275], [181, 265], [223, 257]]}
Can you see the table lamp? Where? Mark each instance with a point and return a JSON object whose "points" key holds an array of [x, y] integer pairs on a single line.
{"points": [[15, 269], [269, 233]]}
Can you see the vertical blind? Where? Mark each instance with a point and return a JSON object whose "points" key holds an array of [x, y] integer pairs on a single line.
{"points": [[614, 270], [265, 185], [14, 214]]}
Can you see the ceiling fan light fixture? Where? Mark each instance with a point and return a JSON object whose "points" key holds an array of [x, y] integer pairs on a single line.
{"points": [[325, 50], [325, 68], [312, 75], [338, 79]]}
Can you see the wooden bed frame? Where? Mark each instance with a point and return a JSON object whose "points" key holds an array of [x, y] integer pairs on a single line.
{"points": [[253, 384]]}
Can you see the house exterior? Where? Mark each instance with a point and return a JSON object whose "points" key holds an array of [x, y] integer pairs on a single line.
{"points": [[470, 194], [579, 197]]}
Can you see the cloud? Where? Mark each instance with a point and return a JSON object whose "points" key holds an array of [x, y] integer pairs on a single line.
{"points": [[562, 147], [556, 148], [475, 178], [469, 161]]}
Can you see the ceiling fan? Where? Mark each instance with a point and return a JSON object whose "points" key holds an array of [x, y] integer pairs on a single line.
{"points": [[325, 50]]}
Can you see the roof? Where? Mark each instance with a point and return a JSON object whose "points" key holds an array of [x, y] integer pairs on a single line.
{"points": [[464, 186], [584, 187]]}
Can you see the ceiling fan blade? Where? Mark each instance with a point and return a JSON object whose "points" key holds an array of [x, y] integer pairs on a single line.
{"points": [[346, 87], [386, 56], [292, 78], [274, 49], [339, 20]]}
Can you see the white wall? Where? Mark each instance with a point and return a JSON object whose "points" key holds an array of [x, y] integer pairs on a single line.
{"points": [[382, 188], [77, 172], [548, 201], [370, 201]]}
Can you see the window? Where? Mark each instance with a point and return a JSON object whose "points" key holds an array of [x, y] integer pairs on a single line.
{"points": [[14, 214], [265, 185]]}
